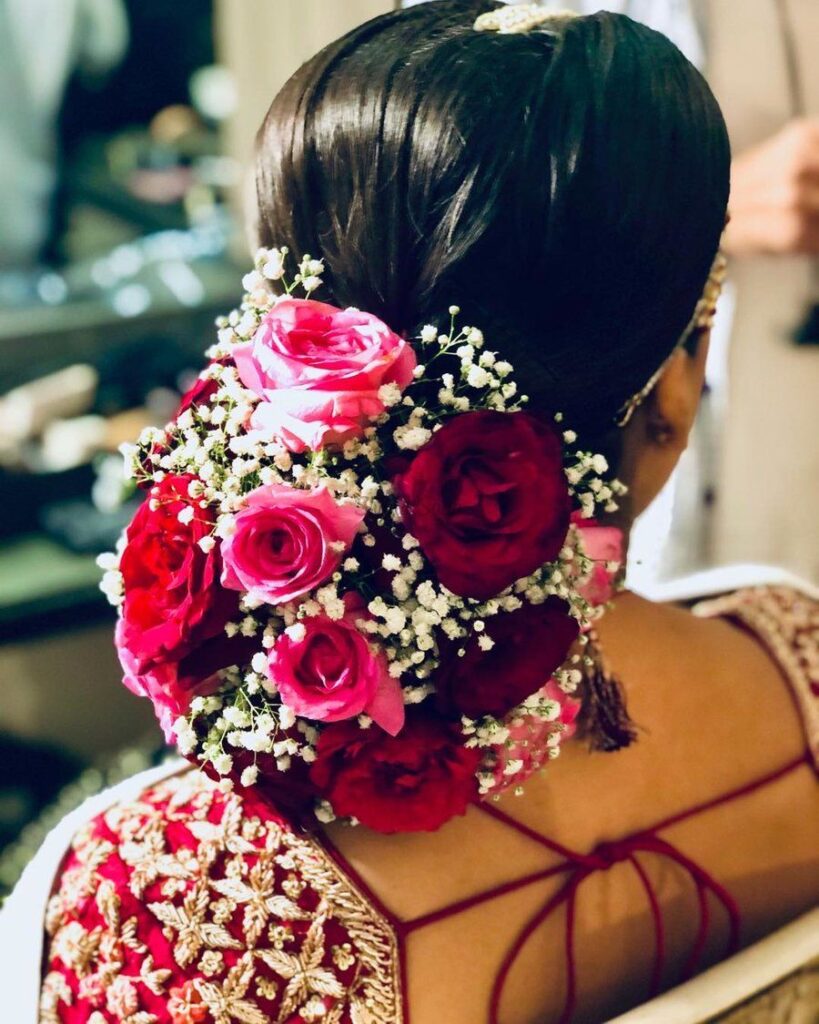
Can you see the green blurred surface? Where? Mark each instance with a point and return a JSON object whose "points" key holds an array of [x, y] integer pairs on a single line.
{"points": [[38, 575]]}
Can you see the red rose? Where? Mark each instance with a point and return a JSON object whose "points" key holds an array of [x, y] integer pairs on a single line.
{"points": [[291, 793], [171, 685], [202, 389], [412, 782], [487, 499], [199, 393], [173, 599], [529, 645]]}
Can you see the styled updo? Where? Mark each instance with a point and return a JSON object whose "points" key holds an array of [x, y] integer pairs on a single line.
{"points": [[567, 188]]}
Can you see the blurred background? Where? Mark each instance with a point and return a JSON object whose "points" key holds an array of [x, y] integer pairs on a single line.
{"points": [[126, 135]]}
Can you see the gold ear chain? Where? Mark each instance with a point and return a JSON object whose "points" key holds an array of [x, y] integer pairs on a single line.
{"points": [[702, 320]]}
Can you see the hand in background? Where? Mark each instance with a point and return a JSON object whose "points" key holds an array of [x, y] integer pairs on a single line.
{"points": [[774, 204]]}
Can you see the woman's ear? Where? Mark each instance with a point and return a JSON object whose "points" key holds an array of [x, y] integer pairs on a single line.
{"points": [[672, 406], [658, 433]]}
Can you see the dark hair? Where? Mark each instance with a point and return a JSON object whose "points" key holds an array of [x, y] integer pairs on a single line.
{"points": [[566, 188]]}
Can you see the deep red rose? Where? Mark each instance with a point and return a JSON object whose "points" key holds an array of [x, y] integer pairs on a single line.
{"points": [[202, 389], [172, 685], [199, 393], [529, 645], [487, 499], [291, 793], [413, 782], [173, 598]]}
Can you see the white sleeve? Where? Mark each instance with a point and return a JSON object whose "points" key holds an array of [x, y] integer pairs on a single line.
{"points": [[23, 913]]}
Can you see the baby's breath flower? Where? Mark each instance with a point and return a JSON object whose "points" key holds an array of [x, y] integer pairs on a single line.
{"points": [[273, 266], [411, 437], [389, 394], [223, 763], [477, 377], [287, 717], [324, 812], [428, 334]]}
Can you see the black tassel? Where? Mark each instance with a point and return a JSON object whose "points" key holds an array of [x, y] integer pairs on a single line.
{"points": [[604, 719]]}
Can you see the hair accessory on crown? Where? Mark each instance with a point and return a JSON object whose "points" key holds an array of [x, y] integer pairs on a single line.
{"points": [[519, 18]]}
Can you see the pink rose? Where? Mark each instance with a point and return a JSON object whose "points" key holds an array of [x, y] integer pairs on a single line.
{"points": [[527, 744], [602, 544], [331, 673], [287, 541], [318, 369]]}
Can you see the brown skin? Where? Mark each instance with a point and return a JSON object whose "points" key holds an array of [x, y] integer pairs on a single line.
{"points": [[658, 433], [775, 194], [714, 713]]}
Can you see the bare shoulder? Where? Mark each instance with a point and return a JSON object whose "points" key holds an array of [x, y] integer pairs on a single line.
{"points": [[713, 712], [704, 677]]}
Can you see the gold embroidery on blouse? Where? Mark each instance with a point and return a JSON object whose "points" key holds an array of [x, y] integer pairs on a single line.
{"points": [[227, 1002], [212, 963], [193, 931], [230, 877], [303, 972], [793, 999], [55, 990], [77, 947], [81, 881], [146, 855], [96, 956], [152, 978], [260, 899]]}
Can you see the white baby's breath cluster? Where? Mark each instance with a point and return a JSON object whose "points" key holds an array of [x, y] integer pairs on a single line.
{"points": [[407, 610]]}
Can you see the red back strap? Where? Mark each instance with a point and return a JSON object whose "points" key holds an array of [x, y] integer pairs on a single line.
{"points": [[577, 867]]}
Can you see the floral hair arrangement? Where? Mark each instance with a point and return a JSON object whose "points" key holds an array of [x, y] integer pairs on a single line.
{"points": [[364, 574]]}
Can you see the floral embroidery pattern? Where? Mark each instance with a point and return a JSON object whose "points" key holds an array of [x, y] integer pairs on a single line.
{"points": [[195, 906]]}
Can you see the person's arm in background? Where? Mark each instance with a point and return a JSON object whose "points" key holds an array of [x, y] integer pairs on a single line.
{"points": [[774, 203]]}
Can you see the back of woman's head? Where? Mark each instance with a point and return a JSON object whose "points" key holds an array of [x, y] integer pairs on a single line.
{"points": [[567, 188]]}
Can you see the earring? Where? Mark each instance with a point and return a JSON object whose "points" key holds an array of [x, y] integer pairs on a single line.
{"points": [[604, 719], [660, 432]]}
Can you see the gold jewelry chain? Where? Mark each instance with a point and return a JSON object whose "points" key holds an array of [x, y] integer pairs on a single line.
{"points": [[702, 320]]}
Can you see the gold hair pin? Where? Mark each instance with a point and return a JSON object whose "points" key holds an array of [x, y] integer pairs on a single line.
{"points": [[519, 18]]}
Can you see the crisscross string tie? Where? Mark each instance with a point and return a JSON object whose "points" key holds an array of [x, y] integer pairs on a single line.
{"points": [[603, 857], [577, 867]]}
